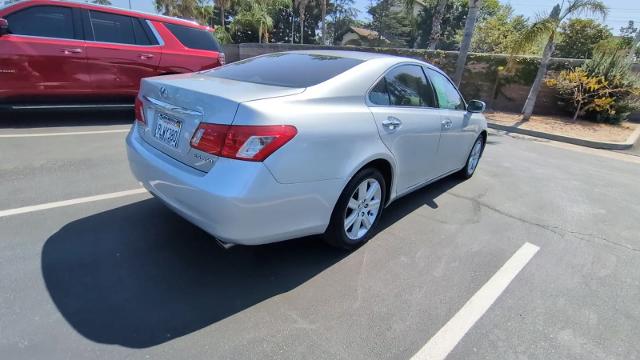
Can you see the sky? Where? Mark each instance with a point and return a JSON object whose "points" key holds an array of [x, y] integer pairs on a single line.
{"points": [[620, 11]]}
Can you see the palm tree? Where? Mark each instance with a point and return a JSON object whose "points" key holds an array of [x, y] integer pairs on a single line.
{"points": [[223, 4], [301, 5], [436, 23], [547, 27], [469, 26], [257, 14]]}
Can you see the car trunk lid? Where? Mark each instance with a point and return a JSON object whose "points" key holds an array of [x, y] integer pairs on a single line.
{"points": [[175, 105]]}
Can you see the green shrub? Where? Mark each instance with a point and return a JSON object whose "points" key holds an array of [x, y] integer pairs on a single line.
{"points": [[603, 89]]}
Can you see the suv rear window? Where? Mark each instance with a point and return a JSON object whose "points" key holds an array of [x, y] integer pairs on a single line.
{"points": [[286, 69], [194, 38]]}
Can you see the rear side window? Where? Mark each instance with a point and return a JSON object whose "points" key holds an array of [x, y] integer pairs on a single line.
{"points": [[114, 28], [45, 21], [408, 86], [448, 95], [194, 38], [285, 69]]}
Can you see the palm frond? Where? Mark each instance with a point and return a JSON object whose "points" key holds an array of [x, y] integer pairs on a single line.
{"points": [[543, 27], [585, 7]]}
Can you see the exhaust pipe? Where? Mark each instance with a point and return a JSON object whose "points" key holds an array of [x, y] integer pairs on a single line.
{"points": [[225, 245]]}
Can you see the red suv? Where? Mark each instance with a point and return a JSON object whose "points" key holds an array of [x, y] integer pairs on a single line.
{"points": [[67, 54]]}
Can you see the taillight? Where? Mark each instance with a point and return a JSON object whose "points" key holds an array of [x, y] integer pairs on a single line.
{"points": [[139, 111], [243, 142], [222, 59]]}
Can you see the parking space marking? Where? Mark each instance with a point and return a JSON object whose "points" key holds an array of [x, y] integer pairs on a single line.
{"points": [[57, 204], [64, 133], [443, 342]]}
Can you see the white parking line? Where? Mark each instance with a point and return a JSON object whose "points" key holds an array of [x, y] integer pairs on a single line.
{"points": [[441, 344], [51, 205], [64, 133]]}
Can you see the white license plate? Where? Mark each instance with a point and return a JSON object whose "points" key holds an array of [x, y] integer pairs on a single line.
{"points": [[167, 130]]}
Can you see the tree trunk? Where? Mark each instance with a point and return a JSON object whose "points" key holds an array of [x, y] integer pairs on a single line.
{"points": [[260, 34], [324, 23], [575, 116], [301, 27], [634, 44], [527, 110], [469, 26], [435, 24], [292, 24], [222, 15]]}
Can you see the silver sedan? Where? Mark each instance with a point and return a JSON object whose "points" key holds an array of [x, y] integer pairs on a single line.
{"points": [[291, 144]]}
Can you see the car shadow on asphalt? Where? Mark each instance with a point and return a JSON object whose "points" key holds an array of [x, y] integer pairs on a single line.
{"points": [[139, 275], [43, 119]]}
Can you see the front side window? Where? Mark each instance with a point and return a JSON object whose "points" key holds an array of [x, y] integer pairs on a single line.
{"points": [[45, 21], [120, 29], [408, 86], [194, 38], [448, 96]]}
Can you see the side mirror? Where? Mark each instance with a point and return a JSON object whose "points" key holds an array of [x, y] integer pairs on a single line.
{"points": [[4, 27], [476, 106]]}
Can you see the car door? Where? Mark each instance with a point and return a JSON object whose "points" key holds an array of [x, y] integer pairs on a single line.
{"points": [[402, 103], [457, 137], [44, 56], [121, 50]]}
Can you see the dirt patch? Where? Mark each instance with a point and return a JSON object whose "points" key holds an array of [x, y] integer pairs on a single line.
{"points": [[559, 125]]}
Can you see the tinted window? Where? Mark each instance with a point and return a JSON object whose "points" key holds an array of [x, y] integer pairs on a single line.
{"points": [[46, 21], [408, 86], [448, 96], [119, 29], [194, 38], [286, 69], [379, 95]]}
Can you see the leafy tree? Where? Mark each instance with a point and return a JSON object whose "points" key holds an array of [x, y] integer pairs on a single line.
{"points": [[498, 33], [578, 38], [392, 22], [342, 15], [301, 5], [630, 36], [469, 27], [546, 27], [436, 23]]}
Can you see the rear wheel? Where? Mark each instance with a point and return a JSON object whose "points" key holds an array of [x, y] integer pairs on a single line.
{"points": [[358, 210]]}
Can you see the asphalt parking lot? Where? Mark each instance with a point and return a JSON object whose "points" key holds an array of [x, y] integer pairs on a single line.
{"points": [[121, 276]]}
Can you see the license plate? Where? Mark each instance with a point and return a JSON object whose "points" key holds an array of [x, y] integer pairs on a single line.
{"points": [[167, 130]]}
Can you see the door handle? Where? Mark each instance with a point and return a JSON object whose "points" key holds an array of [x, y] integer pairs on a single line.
{"points": [[391, 123], [146, 56], [447, 124], [72, 51]]}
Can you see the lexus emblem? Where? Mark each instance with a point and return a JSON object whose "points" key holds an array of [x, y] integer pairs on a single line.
{"points": [[164, 92]]}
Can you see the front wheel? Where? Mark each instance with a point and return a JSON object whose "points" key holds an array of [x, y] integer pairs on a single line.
{"points": [[358, 210], [473, 159]]}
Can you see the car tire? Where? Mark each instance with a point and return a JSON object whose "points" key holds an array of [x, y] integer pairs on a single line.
{"points": [[355, 218], [473, 159]]}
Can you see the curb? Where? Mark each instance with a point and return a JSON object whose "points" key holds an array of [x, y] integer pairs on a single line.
{"points": [[631, 140]]}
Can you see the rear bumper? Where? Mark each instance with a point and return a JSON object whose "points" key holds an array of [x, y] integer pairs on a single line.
{"points": [[237, 201]]}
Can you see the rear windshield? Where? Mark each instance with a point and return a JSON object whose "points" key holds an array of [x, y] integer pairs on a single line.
{"points": [[286, 69], [194, 38]]}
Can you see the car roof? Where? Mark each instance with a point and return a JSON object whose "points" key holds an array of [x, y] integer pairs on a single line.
{"points": [[111, 9]]}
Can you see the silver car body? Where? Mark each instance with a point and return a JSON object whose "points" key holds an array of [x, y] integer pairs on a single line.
{"points": [[292, 193]]}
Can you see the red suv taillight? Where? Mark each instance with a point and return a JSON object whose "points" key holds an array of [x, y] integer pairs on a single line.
{"points": [[222, 59], [139, 111], [243, 142]]}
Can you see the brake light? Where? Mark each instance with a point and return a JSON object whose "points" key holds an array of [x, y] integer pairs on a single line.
{"points": [[139, 111], [243, 142], [222, 59]]}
